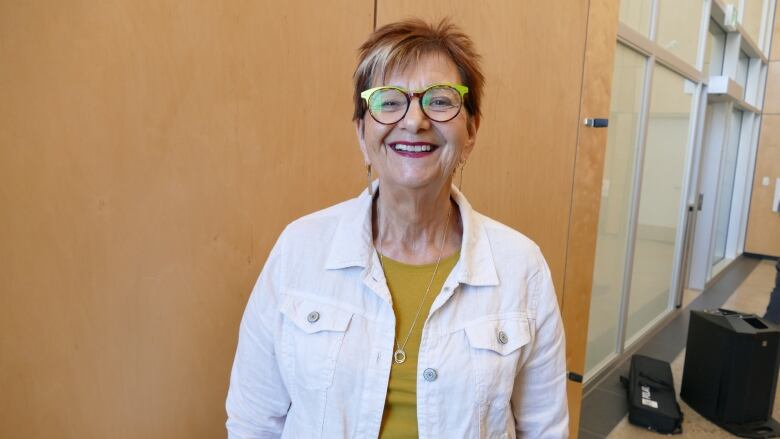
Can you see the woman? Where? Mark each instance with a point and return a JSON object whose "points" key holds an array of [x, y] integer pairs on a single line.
{"points": [[403, 312]]}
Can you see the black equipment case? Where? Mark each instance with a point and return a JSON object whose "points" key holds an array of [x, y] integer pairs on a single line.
{"points": [[730, 373], [651, 397]]}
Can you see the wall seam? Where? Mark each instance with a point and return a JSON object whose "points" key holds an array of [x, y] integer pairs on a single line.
{"points": [[576, 156]]}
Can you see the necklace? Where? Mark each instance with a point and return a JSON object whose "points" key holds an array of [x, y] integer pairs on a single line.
{"points": [[399, 356]]}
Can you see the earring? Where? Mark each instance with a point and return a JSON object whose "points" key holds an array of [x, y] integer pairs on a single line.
{"points": [[460, 180], [368, 175]]}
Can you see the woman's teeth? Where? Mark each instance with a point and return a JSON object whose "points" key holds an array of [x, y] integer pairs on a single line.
{"points": [[411, 148]]}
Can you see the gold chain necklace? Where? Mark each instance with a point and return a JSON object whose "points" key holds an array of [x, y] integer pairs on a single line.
{"points": [[399, 356]]}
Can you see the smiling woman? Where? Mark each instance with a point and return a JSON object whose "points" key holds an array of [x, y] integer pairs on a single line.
{"points": [[414, 151], [420, 316]]}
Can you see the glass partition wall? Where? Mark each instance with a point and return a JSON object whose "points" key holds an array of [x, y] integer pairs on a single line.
{"points": [[660, 198], [617, 187], [735, 97], [725, 189], [686, 92]]}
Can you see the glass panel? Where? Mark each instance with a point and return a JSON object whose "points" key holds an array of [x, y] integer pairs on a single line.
{"points": [[713, 53], [636, 14], [728, 170], [751, 18], [678, 27], [742, 70], [660, 198], [615, 204]]}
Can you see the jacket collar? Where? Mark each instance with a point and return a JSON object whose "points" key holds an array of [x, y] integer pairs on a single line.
{"points": [[352, 244]]}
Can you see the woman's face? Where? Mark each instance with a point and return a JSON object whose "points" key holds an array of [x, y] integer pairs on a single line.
{"points": [[450, 142]]}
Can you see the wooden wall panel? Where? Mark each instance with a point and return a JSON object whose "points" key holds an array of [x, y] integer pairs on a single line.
{"points": [[586, 197], [772, 97], [150, 153], [763, 229], [521, 171]]}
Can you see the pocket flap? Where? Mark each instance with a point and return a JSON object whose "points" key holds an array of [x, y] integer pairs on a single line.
{"points": [[311, 316], [502, 336]]}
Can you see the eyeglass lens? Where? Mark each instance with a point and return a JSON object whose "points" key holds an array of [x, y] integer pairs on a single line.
{"points": [[439, 103]]}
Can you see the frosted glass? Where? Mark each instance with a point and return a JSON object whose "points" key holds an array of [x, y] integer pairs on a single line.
{"points": [[660, 198], [742, 70], [678, 27], [617, 185], [713, 52], [751, 18], [728, 170], [636, 14]]}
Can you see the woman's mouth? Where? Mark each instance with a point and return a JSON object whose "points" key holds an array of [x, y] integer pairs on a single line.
{"points": [[413, 149]]}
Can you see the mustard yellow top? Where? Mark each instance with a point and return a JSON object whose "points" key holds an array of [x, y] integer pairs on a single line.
{"points": [[407, 285]]}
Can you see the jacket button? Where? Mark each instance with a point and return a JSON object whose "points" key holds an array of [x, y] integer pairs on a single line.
{"points": [[430, 374], [502, 337], [313, 316]]}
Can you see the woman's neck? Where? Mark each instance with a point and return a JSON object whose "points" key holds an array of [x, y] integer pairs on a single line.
{"points": [[409, 225]]}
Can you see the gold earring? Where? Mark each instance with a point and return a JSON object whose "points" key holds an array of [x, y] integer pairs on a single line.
{"points": [[460, 180], [368, 175]]}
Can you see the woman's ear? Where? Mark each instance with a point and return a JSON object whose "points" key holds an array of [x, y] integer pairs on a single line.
{"points": [[472, 126], [360, 131], [475, 122]]}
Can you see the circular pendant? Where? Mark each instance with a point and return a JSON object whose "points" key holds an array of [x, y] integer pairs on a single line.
{"points": [[399, 356]]}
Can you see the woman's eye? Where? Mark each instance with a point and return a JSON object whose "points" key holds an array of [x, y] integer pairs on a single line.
{"points": [[391, 105], [440, 102]]}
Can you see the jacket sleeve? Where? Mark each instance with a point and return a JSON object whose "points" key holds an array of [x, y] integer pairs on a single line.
{"points": [[257, 400], [539, 401]]}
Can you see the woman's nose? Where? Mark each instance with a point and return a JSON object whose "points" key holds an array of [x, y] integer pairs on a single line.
{"points": [[415, 120]]}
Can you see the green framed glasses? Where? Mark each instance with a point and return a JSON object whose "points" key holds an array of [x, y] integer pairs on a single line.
{"points": [[439, 102]]}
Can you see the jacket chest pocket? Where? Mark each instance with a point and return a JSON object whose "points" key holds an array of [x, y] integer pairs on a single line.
{"points": [[314, 332], [495, 347]]}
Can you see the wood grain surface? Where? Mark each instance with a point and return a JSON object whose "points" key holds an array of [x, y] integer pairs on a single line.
{"points": [[150, 154], [152, 151]]}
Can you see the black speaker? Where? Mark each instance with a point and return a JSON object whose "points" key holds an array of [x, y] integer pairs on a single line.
{"points": [[730, 372]]}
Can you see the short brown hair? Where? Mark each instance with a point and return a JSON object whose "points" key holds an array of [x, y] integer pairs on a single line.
{"points": [[397, 45]]}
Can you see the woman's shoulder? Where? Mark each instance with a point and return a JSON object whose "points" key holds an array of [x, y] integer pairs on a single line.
{"points": [[510, 245], [503, 234], [321, 223], [323, 215]]}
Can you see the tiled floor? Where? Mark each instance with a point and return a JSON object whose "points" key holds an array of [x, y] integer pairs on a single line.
{"points": [[744, 287]]}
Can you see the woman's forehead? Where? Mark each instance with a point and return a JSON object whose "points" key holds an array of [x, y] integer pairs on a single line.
{"points": [[420, 72]]}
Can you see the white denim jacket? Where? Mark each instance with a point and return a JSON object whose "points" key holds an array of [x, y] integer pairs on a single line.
{"points": [[317, 338]]}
